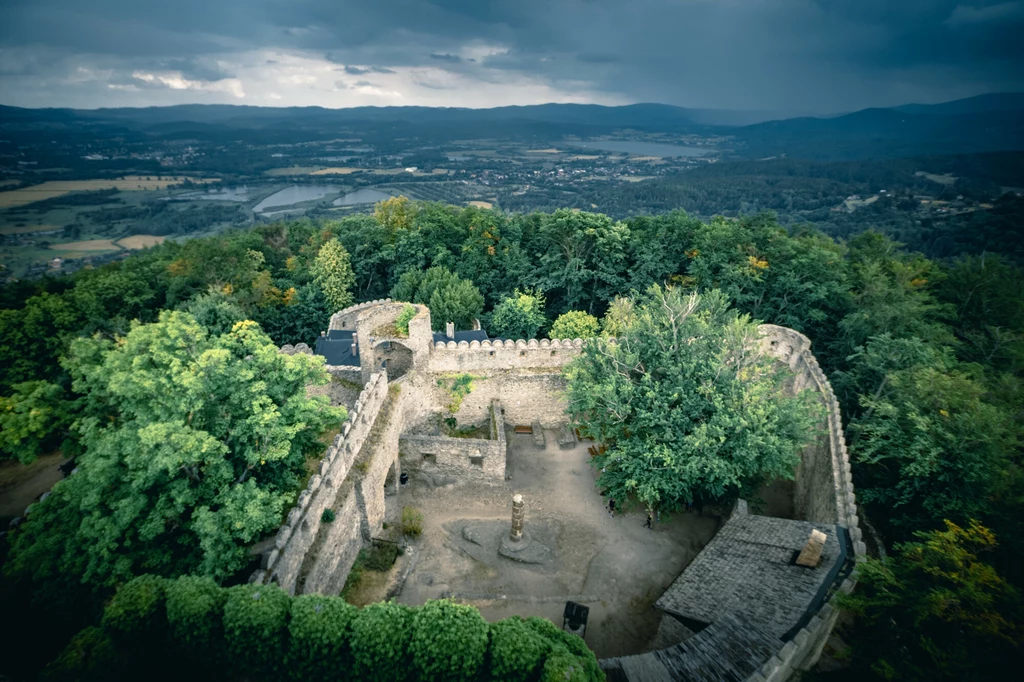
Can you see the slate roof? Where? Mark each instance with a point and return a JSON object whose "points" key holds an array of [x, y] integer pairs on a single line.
{"points": [[747, 569], [467, 336], [336, 347], [730, 650]]}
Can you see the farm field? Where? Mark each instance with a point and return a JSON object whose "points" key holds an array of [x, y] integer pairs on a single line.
{"points": [[140, 241], [24, 229], [88, 245], [58, 188]]}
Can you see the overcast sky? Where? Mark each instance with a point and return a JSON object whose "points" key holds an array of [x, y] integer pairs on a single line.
{"points": [[780, 55]]}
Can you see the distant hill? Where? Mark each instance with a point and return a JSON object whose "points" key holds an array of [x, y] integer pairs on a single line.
{"points": [[987, 123]]}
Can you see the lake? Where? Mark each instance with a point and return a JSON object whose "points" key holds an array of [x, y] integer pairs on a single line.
{"points": [[219, 194], [643, 148], [361, 196], [296, 194]]}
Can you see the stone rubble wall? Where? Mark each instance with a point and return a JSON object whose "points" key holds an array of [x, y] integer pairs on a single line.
{"points": [[296, 536], [452, 455], [525, 397], [347, 318]]}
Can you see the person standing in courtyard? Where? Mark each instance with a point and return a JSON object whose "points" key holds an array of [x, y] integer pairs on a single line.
{"points": [[650, 518], [611, 507]]}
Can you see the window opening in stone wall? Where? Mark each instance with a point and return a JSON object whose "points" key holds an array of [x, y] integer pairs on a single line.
{"points": [[429, 458], [477, 461]]}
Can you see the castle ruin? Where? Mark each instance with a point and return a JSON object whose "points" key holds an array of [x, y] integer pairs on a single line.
{"points": [[750, 610]]}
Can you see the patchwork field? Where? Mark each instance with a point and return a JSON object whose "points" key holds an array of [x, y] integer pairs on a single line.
{"points": [[344, 170], [481, 204], [58, 188], [88, 245], [140, 241]]}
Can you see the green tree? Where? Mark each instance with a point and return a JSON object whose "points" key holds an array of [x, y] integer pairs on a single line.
{"points": [[519, 316], [319, 633], [620, 316], [449, 641], [574, 324], [380, 641], [194, 445], [216, 310], [583, 258], [34, 420], [686, 406], [929, 447], [332, 272], [517, 651], [449, 297], [256, 630], [935, 611]]}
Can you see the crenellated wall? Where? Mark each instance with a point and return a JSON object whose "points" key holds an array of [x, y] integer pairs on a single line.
{"points": [[284, 563], [502, 355], [514, 382]]}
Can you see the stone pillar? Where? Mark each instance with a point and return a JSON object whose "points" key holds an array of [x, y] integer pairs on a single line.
{"points": [[517, 518]]}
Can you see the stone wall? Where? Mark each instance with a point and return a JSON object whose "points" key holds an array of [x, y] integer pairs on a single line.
{"points": [[435, 459], [448, 357], [525, 397], [283, 564]]}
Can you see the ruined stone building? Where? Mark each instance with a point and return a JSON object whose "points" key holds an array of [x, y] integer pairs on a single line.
{"points": [[755, 603]]}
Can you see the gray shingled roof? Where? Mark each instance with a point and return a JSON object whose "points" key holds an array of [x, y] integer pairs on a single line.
{"points": [[336, 348], [730, 650], [747, 569]]}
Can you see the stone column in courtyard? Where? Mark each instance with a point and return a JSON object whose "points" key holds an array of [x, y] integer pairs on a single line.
{"points": [[517, 518]]}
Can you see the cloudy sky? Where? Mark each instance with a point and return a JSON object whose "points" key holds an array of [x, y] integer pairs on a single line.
{"points": [[780, 55]]}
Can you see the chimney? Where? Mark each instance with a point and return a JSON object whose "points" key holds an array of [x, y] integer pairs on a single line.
{"points": [[355, 344], [810, 556], [451, 330], [323, 333]]}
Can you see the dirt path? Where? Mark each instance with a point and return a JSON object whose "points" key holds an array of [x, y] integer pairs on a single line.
{"points": [[21, 484], [614, 565]]}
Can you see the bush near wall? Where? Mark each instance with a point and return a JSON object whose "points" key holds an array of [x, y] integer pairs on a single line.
{"points": [[160, 629]]}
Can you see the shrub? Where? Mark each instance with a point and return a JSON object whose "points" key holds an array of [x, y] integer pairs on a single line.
{"points": [[255, 630], [517, 651], [89, 656], [575, 324], [381, 556], [449, 641], [562, 666], [327, 516], [380, 642], [412, 522], [572, 644], [195, 617], [320, 631], [137, 614], [402, 321]]}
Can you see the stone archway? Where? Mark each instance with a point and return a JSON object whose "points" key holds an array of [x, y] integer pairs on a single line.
{"points": [[394, 357]]}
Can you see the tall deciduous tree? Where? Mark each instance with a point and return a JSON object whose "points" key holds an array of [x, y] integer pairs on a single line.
{"points": [[686, 405], [519, 316], [332, 272], [194, 445], [935, 611], [449, 297]]}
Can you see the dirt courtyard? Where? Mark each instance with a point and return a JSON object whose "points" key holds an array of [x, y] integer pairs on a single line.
{"points": [[613, 565]]}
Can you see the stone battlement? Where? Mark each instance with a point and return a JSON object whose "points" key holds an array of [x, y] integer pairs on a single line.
{"points": [[520, 382]]}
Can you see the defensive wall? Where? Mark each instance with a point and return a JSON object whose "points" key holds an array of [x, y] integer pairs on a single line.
{"points": [[520, 382]]}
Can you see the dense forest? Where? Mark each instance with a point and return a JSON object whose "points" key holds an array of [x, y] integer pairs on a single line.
{"points": [[926, 355]]}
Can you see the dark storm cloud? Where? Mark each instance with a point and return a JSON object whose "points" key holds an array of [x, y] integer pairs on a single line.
{"points": [[783, 54]]}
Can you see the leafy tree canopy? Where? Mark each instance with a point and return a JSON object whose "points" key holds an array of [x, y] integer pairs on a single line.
{"points": [[332, 272], [686, 405], [574, 324], [519, 316], [449, 297], [194, 445], [936, 611]]}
